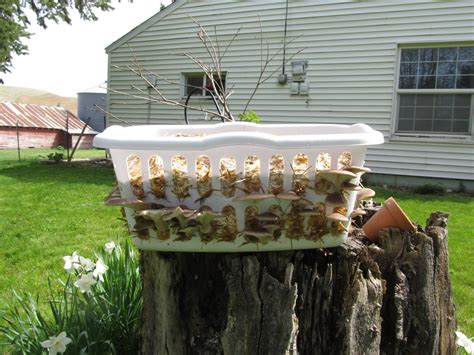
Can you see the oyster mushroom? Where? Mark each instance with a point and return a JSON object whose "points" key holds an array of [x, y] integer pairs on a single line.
{"points": [[267, 217], [339, 174], [205, 219], [349, 186], [337, 217], [358, 212], [137, 205], [252, 197], [258, 236], [289, 196], [358, 169], [364, 194]]}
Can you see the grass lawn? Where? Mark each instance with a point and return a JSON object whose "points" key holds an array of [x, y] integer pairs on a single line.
{"points": [[48, 211]]}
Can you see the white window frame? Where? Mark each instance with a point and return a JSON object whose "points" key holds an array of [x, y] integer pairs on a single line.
{"points": [[432, 136], [202, 96]]}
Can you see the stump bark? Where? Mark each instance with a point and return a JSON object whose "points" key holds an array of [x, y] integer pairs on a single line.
{"points": [[393, 297]]}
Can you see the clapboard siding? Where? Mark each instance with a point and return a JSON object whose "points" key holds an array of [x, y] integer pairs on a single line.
{"points": [[352, 52]]}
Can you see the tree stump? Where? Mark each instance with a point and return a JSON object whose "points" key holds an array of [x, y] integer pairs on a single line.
{"points": [[393, 297]]}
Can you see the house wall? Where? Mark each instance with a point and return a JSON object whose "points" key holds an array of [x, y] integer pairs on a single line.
{"points": [[352, 49], [31, 138], [85, 143]]}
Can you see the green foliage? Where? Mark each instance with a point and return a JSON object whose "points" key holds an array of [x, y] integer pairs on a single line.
{"points": [[430, 189], [58, 155], [250, 116], [14, 22], [103, 321]]}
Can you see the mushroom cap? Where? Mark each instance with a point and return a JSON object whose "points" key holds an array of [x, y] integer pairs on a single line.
{"points": [[358, 212], [258, 234], [337, 217], [252, 197], [345, 174], [137, 205], [267, 217], [349, 186], [271, 228], [309, 213], [336, 199], [365, 193], [358, 169], [289, 195]]}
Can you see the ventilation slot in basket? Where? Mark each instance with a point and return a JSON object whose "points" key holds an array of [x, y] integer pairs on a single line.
{"points": [[230, 230], [252, 174], [228, 176], [251, 221], [181, 180], [321, 185], [277, 168], [203, 176], [135, 176], [300, 168], [344, 161], [157, 176]]}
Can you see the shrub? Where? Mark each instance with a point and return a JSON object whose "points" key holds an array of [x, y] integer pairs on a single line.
{"points": [[98, 308], [430, 189]]}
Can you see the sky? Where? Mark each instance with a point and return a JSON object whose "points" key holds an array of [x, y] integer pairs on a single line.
{"points": [[67, 59]]}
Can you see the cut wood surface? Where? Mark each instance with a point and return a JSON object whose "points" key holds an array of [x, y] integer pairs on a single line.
{"points": [[392, 297]]}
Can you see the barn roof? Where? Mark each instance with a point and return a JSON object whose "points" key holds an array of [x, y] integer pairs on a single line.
{"points": [[36, 116]]}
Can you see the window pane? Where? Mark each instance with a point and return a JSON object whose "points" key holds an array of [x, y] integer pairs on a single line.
{"points": [[444, 100], [423, 125], [443, 113], [462, 100], [407, 100], [425, 100], [466, 67], [409, 55], [446, 82], [465, 82], [407, 82], [448, 54], [426, 82], [406, 112], [408, 68], [428, 54], [466, 53], [427, 69], [441, 126], [447, 68], [461, 126], [461, 113], [193, 83], [424, 112], [405, 125], [218, 85]]}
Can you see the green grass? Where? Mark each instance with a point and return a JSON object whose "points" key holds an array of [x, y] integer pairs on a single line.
{"points": [[48, 211]]}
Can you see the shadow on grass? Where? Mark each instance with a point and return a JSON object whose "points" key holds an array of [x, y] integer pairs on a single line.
{"points": [[38, 173]]}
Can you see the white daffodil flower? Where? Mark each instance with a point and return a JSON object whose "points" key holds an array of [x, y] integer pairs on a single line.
{"points": [[463, 341], [85, 282], [71, 262], [100, 269], [86, 263], [57, 344], [109, 247]]}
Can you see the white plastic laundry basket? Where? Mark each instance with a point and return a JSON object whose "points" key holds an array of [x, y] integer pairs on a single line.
{"points": [[238, 187]]}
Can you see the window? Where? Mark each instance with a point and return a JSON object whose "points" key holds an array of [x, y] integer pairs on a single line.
{"points": [[435, 90], [198, 84]]}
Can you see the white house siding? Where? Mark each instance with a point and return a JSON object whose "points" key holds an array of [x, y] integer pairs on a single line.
{"points": [[352, 52]]}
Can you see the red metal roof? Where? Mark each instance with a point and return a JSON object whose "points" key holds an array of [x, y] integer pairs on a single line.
{"points": [[36, 116]]}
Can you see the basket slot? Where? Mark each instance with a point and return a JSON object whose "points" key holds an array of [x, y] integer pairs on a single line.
{"points": [[321, 185], [180, 176], [252, 180], [231, 223], [276, 174], [300, 167], [228, 176], [157, 176], [344, 161], [203, 176], [135, 176]]}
